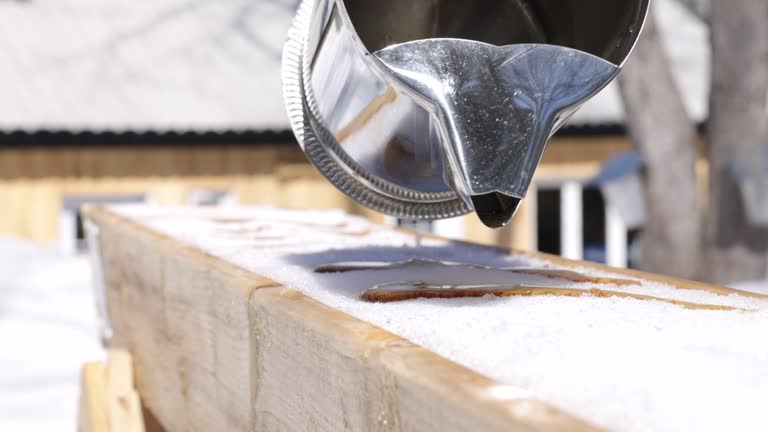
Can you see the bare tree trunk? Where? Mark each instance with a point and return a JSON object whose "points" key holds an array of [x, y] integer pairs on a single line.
{"points": [[701, 8], [738, 118], [663, 131]]}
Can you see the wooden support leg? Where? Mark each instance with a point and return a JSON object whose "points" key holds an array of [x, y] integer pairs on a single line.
{"points": [[109, 402], [93, 400]]}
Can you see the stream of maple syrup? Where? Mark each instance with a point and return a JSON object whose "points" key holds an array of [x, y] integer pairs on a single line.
{"points": [[402, 291]]}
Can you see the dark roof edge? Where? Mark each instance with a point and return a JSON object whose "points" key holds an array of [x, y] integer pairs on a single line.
{"points": [[66, 138], [606, 129], [602, 129]]}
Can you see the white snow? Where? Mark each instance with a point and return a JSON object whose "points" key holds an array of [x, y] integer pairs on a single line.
{"points": [[200, 65], [758, 286], [623, 364], [48, 330], [142, 64]]}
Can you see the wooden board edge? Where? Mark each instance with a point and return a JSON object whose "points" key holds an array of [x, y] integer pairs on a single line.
{"points": [[495, 406]]}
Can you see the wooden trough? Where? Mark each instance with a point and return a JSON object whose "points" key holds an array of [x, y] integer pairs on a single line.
{"points": [[217, 347]]}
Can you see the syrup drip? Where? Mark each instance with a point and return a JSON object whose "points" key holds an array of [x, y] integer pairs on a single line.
{"points": [[402, 291], [495, 210], [567, 275]]}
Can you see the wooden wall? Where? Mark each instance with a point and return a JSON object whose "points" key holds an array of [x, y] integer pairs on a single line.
{"points": [[34, 182]]}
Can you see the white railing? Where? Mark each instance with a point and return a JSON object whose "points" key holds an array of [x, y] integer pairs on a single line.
{"points": [[572, 225], [616, 239], [572, 220]]}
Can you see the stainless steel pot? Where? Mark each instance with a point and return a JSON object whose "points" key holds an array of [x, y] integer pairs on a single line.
{"points": [[428, 109]]}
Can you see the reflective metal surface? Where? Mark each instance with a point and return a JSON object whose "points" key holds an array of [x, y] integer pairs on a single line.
{"points": [[433, 108], [498, 105]]}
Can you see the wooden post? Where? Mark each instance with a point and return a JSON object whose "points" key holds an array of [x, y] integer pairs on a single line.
{"points": [[93, 415], [615, 238], [450, 228], [571, 221]]}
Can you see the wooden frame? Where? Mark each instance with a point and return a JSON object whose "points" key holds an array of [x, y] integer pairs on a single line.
{"points": [[217, 347], [35, 180]]}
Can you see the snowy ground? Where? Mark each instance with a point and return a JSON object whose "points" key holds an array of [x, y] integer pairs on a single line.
{"points": [[48, 330]]}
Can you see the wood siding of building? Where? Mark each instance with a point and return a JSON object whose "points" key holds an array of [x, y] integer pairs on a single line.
{"points": [[35, 182]]}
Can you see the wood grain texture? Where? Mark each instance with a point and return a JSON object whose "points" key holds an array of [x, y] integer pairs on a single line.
{"points": [[123, 404], [219, 348], [140, 161], [35, 181], [92, 415], [108, 400]]}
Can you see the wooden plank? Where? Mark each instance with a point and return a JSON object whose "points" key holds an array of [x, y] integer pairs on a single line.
{"points": [[32, 207], [303, 187], [141, 161], [109, 402], [220, 348], [93, 415], [30, 210], [123, 402]]}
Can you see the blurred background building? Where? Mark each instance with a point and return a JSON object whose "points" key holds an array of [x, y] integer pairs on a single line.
{"points": [[179, 102]]}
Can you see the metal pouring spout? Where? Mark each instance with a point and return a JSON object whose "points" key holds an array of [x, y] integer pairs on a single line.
{"points": [[497, 107], [432, 109]]}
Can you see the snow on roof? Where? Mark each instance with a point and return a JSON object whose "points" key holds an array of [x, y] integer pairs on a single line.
{"points": [[138, 65], [170, 65]]}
